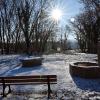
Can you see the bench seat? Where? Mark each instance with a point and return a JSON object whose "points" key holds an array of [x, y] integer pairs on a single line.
{"points": [[28, 80]]}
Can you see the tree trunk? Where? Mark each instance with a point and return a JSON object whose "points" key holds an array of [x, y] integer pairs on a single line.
{"points": [[99, 53]]}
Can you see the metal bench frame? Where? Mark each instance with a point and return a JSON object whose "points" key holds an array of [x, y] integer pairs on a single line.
{"points": [[25, 80]]}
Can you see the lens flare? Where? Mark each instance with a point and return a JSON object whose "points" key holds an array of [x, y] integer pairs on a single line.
{"points": [[56, 14]]}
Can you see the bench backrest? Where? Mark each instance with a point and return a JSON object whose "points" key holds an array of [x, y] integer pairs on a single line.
{"points": [[36, 79]]}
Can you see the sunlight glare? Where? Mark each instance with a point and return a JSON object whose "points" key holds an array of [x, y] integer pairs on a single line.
{"points": [[56, 14]]}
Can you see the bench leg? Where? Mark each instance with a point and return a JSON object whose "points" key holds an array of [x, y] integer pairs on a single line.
{"points": [[49, 90], [4, 90], [9, 89]]}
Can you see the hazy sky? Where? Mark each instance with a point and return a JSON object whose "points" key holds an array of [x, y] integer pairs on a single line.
{"points": [[72, 6], [69, 8]]}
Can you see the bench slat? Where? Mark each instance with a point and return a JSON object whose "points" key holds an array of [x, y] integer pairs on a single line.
{"points": [[29, 83], [25, 80], [28, 80], [35, 76]]}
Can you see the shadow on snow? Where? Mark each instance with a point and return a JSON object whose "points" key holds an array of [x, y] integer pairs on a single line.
{"points": [[87, 84]]}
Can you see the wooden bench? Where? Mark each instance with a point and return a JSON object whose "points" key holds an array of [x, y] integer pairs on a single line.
{"points": [[25, 80]]}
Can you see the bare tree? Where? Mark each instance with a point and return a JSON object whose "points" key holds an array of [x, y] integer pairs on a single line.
{"points": [[86, 26], [25, 24]]}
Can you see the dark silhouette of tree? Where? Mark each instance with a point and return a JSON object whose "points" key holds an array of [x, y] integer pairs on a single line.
{"points": [[24, 25], [86, 26]]}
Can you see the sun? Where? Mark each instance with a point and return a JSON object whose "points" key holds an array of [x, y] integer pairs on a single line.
{"points": [[56, 14]]}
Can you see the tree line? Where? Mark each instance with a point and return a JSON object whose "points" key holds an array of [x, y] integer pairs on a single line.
{"points": [[87, 26], [24, 26]]}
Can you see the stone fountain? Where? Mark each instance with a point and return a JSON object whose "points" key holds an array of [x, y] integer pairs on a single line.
{"points": [[31, 61], [86, 69]]}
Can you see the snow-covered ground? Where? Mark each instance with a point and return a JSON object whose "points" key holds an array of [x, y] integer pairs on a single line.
{"points": [[67, 87]]}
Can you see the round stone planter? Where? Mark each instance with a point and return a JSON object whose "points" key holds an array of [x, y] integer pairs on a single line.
{"points": [[85, 69], [31, 62]]}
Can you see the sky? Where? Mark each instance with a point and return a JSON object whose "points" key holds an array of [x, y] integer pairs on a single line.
{"points": [[69, 8], [73, 7]]}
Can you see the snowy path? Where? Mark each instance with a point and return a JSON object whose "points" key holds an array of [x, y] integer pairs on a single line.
{"points": [[67, 88]]}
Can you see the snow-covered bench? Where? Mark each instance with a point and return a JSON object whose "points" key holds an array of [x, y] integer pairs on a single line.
{"points": [[25, 80]]}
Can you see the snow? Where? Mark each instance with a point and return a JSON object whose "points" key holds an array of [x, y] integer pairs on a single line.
{"points": [[67, 87], [30, 58]]}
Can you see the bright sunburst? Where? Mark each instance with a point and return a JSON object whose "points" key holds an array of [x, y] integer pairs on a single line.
{"points": [[56, 14]]}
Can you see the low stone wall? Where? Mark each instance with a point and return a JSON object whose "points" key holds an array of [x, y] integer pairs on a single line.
{"points": [[31, 62], [85, 70]]}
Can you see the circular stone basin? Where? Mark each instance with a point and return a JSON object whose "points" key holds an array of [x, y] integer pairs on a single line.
{"points": [[31, 62], [85, 69]]}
